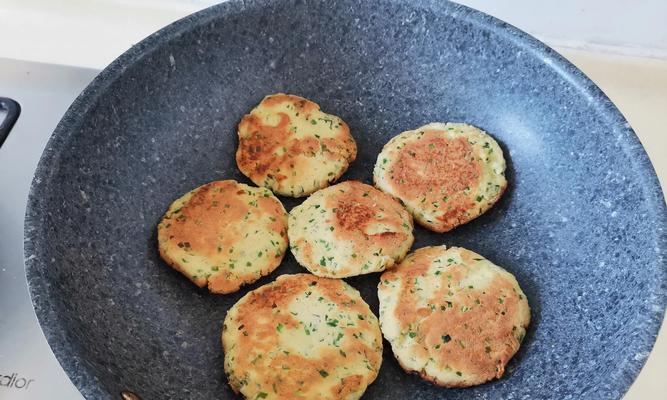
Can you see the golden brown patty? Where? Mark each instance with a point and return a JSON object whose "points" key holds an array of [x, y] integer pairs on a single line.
{"points": [[224, 234], [288, 145], [445, 174], [349, 229], [301, 337], [452, 316]]}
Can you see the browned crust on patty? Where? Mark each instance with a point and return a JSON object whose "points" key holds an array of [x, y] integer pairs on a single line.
{"points": [[350, 229], [357, 217], [439, 175], [207, 230], [470, 330], [275, 155], [436, 162], [259, 318]]}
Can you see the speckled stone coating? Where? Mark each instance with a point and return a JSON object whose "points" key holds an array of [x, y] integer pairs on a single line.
{"points": [[581, 225]]}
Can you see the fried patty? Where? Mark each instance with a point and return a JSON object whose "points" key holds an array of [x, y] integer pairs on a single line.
{"points": [[290, 146], [301, 337], [452, 316], [349, 229], [224, 234], [445, 174]]}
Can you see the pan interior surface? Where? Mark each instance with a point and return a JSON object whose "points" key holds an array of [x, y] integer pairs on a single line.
{"points": [[577, 225]]}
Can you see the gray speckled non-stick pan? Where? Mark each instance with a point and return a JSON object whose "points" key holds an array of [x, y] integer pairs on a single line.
{"points": [[581, 225]]}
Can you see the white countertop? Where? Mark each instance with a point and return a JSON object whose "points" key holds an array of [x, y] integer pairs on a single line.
{"points": [[70, 33]]}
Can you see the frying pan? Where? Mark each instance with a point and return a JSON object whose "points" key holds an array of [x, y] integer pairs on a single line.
{"points": [[581, 225]]}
